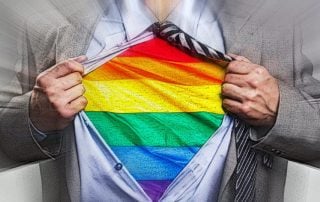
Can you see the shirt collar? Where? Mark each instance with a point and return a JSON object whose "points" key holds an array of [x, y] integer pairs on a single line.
{"points": [[187, 15], [136, 17]]}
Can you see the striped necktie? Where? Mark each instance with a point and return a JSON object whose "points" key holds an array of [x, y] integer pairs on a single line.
{"points": [[246, 156]]}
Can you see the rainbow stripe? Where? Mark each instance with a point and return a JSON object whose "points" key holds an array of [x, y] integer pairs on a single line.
{"points": [[155, 106]]}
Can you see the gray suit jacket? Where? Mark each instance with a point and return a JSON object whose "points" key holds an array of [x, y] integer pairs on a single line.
{"points": [[248, 30]]}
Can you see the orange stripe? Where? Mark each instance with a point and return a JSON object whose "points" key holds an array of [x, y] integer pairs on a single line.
{"points": [[170, 72]]}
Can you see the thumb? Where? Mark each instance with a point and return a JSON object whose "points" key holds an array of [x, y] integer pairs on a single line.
{"points": [[80, 59]]}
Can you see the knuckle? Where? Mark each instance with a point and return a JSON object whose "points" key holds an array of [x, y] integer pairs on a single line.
{"points": [[83, 101], [229, 67], [225, 89], [64, 63], [69, 63], [259, 70], [225, 103], [251, 96], [253, 82], [226, 106], [74, 66], [271, 80], [50, 91], [228, 78], [233, 64], [78, 77], [245, 108], [41, 80], [55, 103], [64, 83], [80, 90]]}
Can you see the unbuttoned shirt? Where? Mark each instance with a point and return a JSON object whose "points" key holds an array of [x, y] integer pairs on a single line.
{"points": [[124, 24]]}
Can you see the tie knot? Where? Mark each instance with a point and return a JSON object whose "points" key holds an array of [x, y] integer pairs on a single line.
{"points": [[156, 28], [165, 29]]}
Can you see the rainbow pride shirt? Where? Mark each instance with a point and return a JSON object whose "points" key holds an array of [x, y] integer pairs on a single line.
{"points": [[151, 109]]}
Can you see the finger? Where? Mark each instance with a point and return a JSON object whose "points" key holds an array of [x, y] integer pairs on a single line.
{"points": [[232, 106], [74, 93], [78, 104], [232, 92], [240, 67], [236, 79], [239, 58], [244, 112], [70, 80], [80, 59], [66, 67]]}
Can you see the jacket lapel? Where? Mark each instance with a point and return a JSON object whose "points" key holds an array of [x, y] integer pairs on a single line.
{"points": [[236, 20], [243, 38], [73, 39]]}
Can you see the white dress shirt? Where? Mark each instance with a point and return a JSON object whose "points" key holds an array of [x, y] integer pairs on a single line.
{"points": [[124, 24]]}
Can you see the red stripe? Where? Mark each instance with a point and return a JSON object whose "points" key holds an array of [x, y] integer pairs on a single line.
{"points": [[160, 50]]}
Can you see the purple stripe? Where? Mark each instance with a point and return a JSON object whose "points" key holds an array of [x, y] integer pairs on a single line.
{"points": [[154, 188]]}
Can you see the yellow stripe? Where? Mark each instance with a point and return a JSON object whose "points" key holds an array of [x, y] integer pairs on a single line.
{"points": [[201, 73], [131, 96]]}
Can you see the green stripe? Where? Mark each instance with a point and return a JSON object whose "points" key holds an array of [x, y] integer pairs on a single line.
{"points": [[156, 129]]}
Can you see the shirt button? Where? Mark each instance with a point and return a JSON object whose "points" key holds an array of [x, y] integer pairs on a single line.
{"points": [[118, 166]]}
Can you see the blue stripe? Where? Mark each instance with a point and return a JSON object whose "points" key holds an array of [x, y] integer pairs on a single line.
{"points": [[155, 163]]}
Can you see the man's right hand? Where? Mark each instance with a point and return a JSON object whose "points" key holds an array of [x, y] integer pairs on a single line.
{"points": [[58, 95]]}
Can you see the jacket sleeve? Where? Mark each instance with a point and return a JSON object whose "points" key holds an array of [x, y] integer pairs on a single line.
{"points": [[296, 132], [17, 138]]}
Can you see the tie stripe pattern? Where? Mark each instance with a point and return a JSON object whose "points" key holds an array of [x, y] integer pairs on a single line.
{"points": [[246, 164], [246, 156]]}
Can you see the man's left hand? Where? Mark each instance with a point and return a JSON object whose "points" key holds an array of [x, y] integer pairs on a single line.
{"points": [[250, 92]]}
